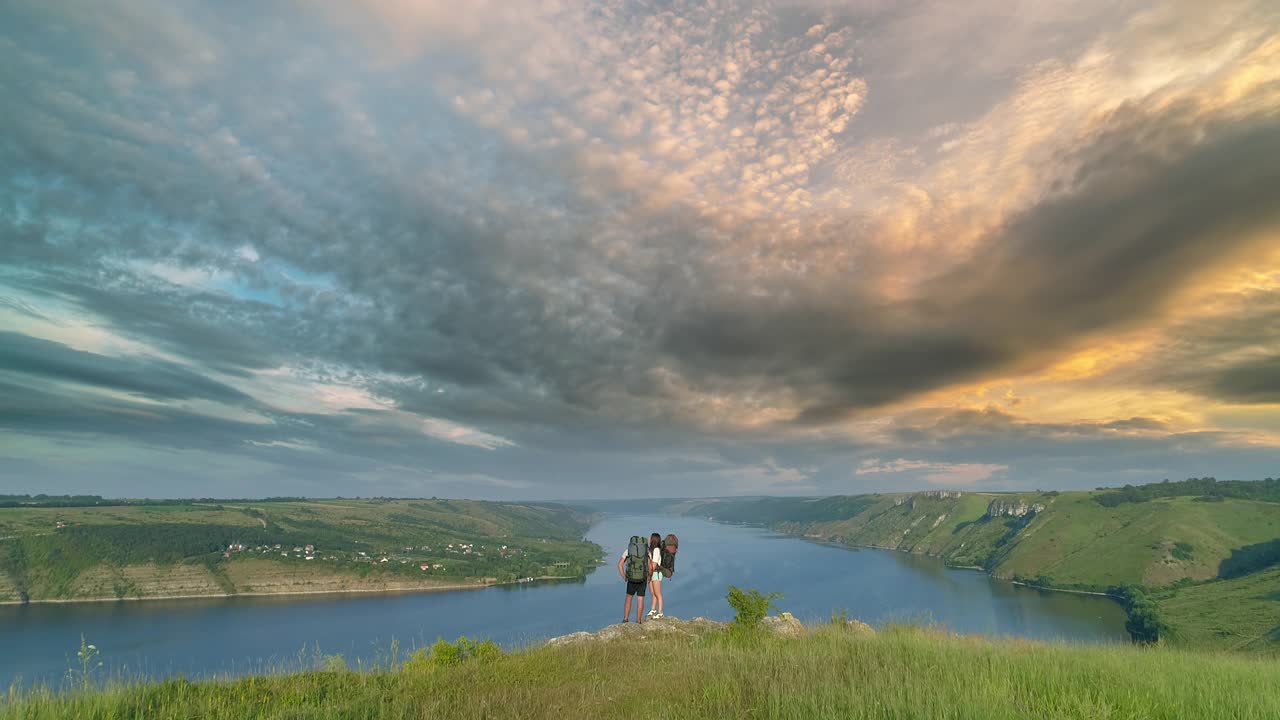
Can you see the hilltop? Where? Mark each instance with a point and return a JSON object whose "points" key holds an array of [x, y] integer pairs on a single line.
{"points": [[60, 549], [685, 670], [1194, 561]]}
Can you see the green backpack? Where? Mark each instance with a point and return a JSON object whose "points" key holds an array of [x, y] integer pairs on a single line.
{"points": [[637, 567]]}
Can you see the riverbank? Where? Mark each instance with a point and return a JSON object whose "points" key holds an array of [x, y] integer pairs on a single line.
{"points": [[840, 544], [703, 671], [283, 593], [477, 585]]}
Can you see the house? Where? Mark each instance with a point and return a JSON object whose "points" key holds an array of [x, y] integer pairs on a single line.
{"points": [[424, 566], [311, 549], [60, 525], [437, 566]]}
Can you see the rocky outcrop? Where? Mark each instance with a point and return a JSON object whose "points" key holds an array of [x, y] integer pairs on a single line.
{"points": [[647, 630], [859, 627], [927, 495], [1012, 508], [785, 625]]}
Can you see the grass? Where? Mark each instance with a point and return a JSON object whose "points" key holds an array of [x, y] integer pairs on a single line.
{"points": [[1238, 614], [173, 550], [902, 672]]}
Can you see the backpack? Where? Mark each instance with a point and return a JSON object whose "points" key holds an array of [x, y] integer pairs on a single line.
{"points": [[637, 566], [668, 564]]}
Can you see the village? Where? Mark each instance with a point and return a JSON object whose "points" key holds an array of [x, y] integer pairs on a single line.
{"points": [[469, 558]]}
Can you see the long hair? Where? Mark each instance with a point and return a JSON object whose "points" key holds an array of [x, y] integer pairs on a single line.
{"points": [[655, 541]]}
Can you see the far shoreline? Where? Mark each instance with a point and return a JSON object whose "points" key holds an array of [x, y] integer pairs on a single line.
{"points": [[823, 540]]}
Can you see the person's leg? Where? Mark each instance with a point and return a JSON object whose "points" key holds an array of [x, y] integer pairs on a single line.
{"points": [[626, 607]]}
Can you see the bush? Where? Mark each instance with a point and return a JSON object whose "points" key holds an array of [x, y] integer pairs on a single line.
{"points": [[1183, 550], [750, 606], [1144, 624], [1250, 558], [448, 654]]}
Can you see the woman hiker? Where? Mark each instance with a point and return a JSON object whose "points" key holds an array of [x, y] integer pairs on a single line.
{"points": [[655, 575]]}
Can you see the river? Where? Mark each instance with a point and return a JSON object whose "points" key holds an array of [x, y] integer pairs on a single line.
{"points": [[232, 636]]}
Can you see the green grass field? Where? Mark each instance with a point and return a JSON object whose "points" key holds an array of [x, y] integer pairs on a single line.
{"points": [[137, 551], [1238, 614], [831, 672]]}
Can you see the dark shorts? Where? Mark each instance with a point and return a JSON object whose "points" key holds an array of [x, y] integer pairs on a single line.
{"points": [[636, 588]]}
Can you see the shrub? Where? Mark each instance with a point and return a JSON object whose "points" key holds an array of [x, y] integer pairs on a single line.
{"points": [[447, 654], [1144, 624], [1183, 550], [750, 606], [1250, 558]]}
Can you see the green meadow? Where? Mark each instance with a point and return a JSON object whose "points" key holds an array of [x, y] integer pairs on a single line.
{"points": [[829, 672]]}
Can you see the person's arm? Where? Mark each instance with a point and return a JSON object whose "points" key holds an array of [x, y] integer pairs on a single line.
{"points": [[621, 573]]}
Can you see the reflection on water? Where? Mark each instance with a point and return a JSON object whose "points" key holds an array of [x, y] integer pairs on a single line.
{"points": [[251, 634]]}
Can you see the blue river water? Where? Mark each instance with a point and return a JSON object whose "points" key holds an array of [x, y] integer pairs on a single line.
{"points": [[232, 636]]}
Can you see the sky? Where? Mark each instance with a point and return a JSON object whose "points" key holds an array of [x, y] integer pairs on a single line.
{"points": [[558, 249]]}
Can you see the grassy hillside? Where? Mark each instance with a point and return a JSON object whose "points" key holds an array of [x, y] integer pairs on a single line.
{"points": [[1150, 537], [1238, 614], [226, 547], [829, 672]]}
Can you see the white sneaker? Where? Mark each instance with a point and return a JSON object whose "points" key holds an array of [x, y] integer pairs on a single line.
{"points": [[651, 613], [655, 617]]}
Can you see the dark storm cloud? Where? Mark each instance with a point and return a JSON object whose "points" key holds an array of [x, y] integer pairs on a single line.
{"points": [[1227, 355], [1137, 220], [1254, 382], [147, 377]]}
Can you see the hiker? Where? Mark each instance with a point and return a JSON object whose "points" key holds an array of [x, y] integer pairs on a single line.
{"points": [[667, 565], [633, 566], [655, 574]]}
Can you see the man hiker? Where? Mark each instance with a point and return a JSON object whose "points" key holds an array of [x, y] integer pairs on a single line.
{"points": [[634, 567]]}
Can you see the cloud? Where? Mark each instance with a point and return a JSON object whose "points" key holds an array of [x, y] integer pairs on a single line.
{"points": [[935, 473], [146, 377], [549, 242], [1255, 381]]}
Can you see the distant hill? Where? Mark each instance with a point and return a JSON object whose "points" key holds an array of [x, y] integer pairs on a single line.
{"points": [[1180, 544], [90, 548]]}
